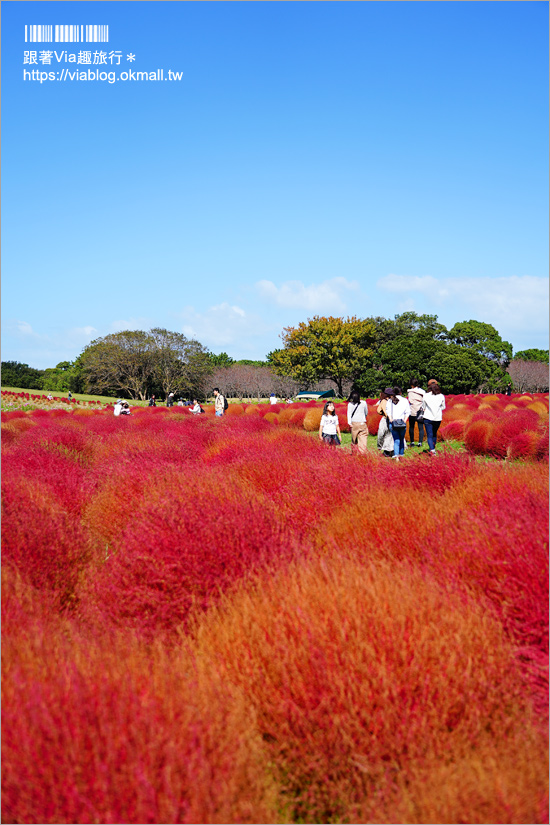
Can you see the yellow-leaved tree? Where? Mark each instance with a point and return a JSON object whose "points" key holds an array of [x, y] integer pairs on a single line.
{"points": [[335, 349]]}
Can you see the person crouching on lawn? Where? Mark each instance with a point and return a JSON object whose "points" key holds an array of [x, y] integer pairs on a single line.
{"points": [[329, 428]]}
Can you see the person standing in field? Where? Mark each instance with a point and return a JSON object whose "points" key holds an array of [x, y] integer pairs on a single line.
{"points": [[329, 428], [416, 397], [272, 398], [384, 441], [398, 410], [219, 402], [433, 406], [357, 419], [152, 401]]}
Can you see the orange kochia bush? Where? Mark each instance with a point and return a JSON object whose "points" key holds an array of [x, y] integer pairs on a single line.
{"points": [[220, 620]]}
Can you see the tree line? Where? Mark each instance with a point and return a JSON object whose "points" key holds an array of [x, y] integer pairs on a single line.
{"points": [[376, 352], [322, 353]]}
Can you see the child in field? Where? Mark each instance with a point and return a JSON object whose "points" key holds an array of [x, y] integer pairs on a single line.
{"points": [[329, 428]]}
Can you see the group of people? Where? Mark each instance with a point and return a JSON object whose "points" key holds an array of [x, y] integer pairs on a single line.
{"points": [[419, 407], [122, 408]]}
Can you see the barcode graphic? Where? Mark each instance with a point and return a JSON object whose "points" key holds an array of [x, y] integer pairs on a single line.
{"points": [[66, 34]]}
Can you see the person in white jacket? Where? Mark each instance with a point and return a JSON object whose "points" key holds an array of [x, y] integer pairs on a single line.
{"points": [[416, 396], [398, 411], [219, 402], [433, 406]]}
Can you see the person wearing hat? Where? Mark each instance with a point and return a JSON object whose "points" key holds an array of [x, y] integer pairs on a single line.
{"points": [[118, 407], [384, 441]]}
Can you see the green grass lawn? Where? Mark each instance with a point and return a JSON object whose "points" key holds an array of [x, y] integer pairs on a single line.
{"points": [[453, 446]]}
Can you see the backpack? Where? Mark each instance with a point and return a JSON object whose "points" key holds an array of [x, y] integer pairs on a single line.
{"points": [[225, 404]]}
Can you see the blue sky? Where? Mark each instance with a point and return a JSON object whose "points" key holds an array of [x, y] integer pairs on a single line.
{"points": [[336, 158]]}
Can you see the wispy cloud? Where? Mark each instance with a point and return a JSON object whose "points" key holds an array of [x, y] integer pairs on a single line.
{"points": [[327, 296], [86, 333], [221, 325], [520, 302], [21, 329]]}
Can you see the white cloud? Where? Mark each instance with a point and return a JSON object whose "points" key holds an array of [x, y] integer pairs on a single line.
{"points": [[221, 325], [131, 324], [408, 283], [83, 332], [517, 302], [323, 297], [22, 328]]}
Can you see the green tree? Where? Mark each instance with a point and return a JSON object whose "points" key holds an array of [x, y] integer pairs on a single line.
{"points": [[457, 370], [221, 360], [325, 348], [482, 338], [58, 378], [180, 364], [404, 346], [120, 363], [408, 324], [136, 363], [532, 355], [21, 376]]}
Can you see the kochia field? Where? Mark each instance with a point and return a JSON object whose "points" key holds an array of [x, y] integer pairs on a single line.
{"points": [[223, 620]]}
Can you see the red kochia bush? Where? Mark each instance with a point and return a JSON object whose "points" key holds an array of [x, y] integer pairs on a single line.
{"points": [[363, 677], [506, 427], [187, 540], [41, 539], [476, 436], [101, 730], [452, 429]]}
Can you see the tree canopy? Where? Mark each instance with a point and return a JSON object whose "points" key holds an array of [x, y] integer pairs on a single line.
{"points": [[16, 374], [469, 357], [481, 338], [325, 348], [137, 363], [221, 360], [532, 355]]}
